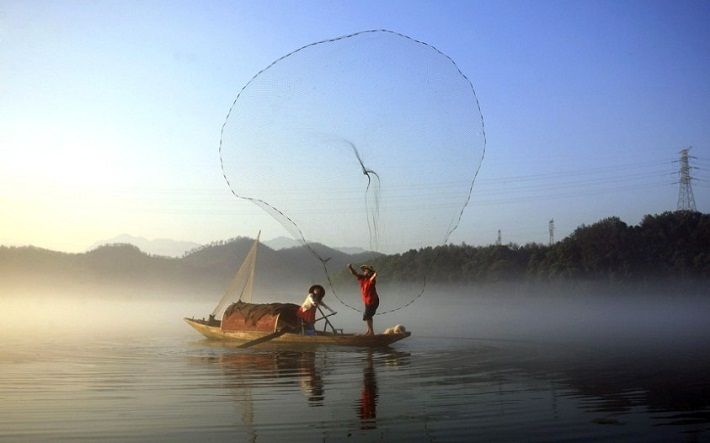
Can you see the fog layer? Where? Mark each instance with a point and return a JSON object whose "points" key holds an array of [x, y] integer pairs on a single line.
{"points": [[463, 313]]}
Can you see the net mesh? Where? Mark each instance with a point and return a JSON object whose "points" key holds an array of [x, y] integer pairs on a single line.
{"points": [[372, 140]]}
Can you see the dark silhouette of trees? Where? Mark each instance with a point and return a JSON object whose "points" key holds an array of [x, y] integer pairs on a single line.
{"points": [[671, 245]]}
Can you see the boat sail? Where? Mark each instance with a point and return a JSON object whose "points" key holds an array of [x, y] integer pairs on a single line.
{"points": [[242, 283]]}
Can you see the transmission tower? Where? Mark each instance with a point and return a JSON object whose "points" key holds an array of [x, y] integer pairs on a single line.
{"points": [[686, 201], [551, 228], [498, 241]]}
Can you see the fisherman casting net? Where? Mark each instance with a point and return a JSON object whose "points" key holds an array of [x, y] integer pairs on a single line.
{"points": [[369, 140]]}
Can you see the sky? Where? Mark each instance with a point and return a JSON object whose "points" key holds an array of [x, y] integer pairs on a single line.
{"points": [[110, 112]]}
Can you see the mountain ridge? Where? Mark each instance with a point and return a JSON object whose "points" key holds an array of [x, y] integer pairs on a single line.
{"points": [[157, 246], [208, 268]]}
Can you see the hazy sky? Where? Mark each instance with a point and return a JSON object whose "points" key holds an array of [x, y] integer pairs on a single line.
{"points": [[110, 112]]}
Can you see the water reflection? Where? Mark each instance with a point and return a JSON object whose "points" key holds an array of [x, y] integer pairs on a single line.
{"points": [[278, 375], [671, 384], [241, 368], [310, 378], [470, 390], [615, 390], [367, 404]]}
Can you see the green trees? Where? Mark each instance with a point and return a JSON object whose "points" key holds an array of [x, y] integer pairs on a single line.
{"points": [[667, 245], [676, 244]]}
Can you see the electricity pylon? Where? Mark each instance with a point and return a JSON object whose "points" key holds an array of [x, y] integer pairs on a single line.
{"points": [[686, 200]]}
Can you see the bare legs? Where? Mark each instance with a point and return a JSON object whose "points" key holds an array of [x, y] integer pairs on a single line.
{"points": [[370, 331]]}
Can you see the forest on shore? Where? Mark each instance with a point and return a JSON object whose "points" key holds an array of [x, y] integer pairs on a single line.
{"points": [[667, 246]]}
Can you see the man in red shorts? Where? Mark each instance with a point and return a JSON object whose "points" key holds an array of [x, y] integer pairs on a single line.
{"points": [[367, 280]]}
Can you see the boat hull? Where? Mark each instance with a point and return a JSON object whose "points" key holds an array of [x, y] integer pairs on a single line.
{"points": [[214, 332]]}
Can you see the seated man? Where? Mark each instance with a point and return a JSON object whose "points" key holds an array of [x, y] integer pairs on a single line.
{"points": [[307, 311]]}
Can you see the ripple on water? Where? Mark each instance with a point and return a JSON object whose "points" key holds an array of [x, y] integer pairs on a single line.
{"points": [[181, 389]]}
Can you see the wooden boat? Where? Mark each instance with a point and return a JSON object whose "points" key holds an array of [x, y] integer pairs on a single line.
{"points": [[215, 332], [249, 324]]}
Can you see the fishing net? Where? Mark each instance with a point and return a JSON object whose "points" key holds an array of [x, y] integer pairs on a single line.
{"points": [[369, 140]]}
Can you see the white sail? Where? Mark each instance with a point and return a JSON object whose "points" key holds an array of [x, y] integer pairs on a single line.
{"points": [[242, 284]]}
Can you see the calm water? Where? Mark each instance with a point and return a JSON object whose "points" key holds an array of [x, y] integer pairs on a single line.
{"points": [[166, 383]]}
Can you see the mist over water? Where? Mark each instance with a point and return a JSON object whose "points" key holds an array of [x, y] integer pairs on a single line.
{"points": [[465, 312], [555, 318], [482, 365]]}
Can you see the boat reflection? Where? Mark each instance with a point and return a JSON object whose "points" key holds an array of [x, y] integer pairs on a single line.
{"points": [[251, 376], [302, 368], [310, 379]]}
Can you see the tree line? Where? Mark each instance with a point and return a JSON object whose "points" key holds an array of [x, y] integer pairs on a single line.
{"points": [[671, 245]]}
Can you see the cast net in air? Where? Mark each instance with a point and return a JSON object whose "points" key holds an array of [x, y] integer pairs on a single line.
{"points": [[370, 140]]}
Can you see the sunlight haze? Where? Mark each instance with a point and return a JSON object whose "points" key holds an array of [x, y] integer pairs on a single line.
{"points": [[110, 112]]}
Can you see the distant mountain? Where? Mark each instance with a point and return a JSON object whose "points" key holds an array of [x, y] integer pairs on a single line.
{"points": [[275, 266], [158, 246], [286, 243], [205, 271]]}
